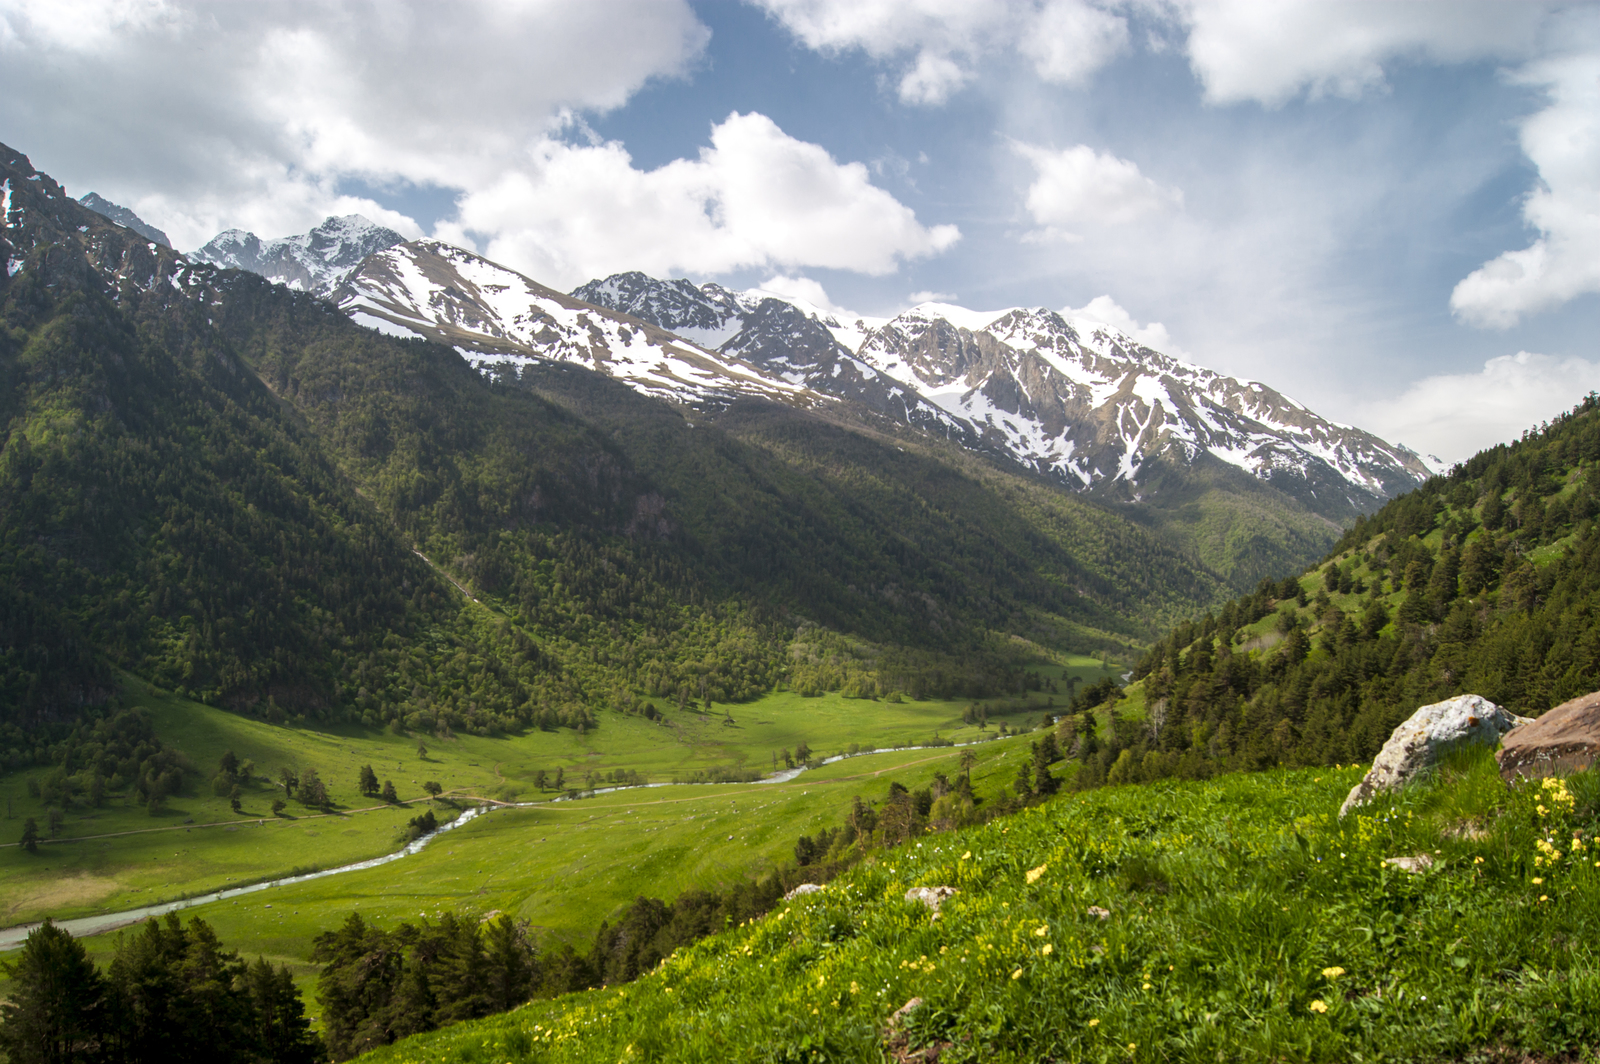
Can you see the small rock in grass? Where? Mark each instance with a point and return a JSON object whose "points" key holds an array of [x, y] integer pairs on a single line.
{"points": [[1415, 865], [804, 888], [1566, 739], [932, 897], [903, 1011], [1417, 744], [1095, 910]]}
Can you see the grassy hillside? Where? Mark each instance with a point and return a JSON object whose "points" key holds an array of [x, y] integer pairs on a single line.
{"points": [[1241, 919]]}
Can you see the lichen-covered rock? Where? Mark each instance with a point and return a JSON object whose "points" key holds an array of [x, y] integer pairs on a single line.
{"points": [[1566, 739], [1415, 746]]}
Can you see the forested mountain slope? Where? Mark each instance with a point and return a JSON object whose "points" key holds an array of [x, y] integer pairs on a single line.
{"points": [[161, 511], [224, 485], [1484, 581]]}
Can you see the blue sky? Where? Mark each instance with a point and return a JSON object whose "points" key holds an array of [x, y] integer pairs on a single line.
{"points": [[1389, 211]]}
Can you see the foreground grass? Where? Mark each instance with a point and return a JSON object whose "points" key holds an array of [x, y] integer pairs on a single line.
{"points": [[1244, 921]]}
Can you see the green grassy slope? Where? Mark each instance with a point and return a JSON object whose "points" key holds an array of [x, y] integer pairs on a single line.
{"points": [[1243, 920]]}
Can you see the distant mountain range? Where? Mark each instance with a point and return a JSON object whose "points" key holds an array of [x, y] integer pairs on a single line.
{"points": [[1072, 400], [1076, 401]]}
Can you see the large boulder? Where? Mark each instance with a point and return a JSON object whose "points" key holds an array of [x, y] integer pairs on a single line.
{"points": [[1566, 739], [1415, 746]]}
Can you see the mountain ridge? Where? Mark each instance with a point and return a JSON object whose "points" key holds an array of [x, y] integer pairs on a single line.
{"points": [[124, 217], [315, 261]]}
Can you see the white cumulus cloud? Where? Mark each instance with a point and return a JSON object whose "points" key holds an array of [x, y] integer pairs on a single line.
{"points": [[202, 117], [1563, 141], [1269, 51], [1079, 188], [1456, 415], [936, 45], [755, 197]]}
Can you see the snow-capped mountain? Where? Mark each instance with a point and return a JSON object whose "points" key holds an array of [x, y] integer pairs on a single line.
{"points": [[124, 217], [500, 321], [1073, 399], [317, 261]]}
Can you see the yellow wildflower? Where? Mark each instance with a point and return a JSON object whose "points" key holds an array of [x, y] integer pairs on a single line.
{"points": [[967, 856], [1043, 931], [1048, 949], [1536, 880], [1017, 974], [1094, 1023], [1318, 1006], [1332, 973], [1035, 873]]}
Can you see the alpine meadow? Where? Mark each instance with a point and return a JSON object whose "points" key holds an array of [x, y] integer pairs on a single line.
{"points": [[598, 590]]}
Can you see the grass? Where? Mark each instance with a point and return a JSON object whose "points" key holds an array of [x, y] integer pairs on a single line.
{"points": [[1244, 920], [118, 856]]}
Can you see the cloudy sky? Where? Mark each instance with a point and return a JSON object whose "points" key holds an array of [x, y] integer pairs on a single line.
{"points": [[1390, 211]]}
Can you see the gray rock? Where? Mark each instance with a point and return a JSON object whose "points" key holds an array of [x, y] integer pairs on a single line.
{"points": [[1566, 739], [1416, 745], [903, 1011], [1415, 865], [801, 890], [932, 897]]}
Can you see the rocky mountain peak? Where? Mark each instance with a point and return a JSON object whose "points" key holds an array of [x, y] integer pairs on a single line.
{"points": [[124, 217], [316, 261]]}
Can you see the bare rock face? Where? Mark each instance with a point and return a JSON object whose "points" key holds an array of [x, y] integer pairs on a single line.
{"points": [[1566, 739], [1416, 745]]}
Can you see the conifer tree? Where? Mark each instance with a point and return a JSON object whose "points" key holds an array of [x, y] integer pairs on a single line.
{"points": [[57, 1009]]}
